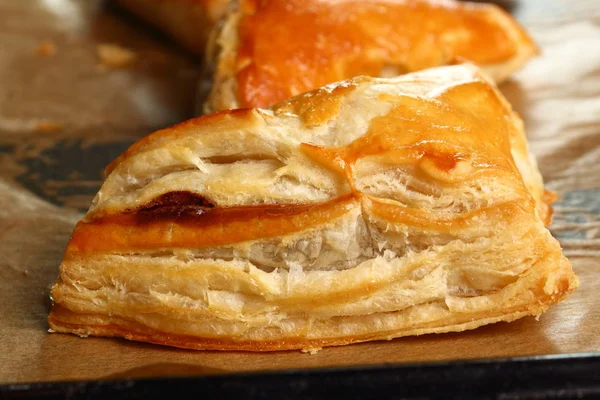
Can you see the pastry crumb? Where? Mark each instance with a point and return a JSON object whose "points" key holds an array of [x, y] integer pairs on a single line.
{"points": [[312, 351], [25, 272], [48, 126], [46, 48], [115, 56]]}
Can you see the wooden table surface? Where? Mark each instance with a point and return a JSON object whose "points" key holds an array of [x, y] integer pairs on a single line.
{"points": [[63, 118]]}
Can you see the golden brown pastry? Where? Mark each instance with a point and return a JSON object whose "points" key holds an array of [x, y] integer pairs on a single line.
{"points": [[270, 50], [368, 209], [187, 21]]}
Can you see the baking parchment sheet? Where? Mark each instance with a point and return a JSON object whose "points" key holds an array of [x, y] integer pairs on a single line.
{"points": [[64, 116]]}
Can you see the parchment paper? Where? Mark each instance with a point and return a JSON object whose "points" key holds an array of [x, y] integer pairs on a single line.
{"points": [[49, 174]]}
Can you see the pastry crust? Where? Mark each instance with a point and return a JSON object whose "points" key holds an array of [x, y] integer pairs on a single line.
{"points": [[368, 209], [270, 50], [189, 22]]}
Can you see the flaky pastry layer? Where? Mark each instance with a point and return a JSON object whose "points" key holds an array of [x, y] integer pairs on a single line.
{"points": [[369, 209]]}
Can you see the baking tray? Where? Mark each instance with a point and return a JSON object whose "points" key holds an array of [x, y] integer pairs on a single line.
{"points": [[546, 377]]}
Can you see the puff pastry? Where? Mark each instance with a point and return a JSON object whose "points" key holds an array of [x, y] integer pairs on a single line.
{"points": [[368, 209], [270, 50], [187, 21]]}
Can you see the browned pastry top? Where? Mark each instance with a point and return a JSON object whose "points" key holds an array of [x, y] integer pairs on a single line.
{"points": [[287, 47], [456, 136]]}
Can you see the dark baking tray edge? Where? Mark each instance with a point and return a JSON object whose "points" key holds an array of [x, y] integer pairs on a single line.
{"points": [[542, 377]]}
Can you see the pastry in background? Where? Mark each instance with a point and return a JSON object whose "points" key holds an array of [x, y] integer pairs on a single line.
{"points": [[269, 50], [189, 22], [365, 210]]}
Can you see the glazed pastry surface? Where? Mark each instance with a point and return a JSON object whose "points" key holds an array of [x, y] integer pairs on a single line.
{"points": [[270, 50], [365, 210]]}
